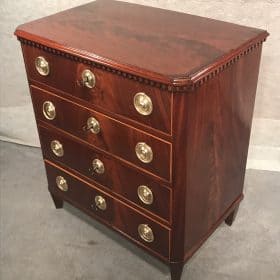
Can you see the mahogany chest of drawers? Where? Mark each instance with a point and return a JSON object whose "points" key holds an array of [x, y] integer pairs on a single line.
{"points": [[144, 118]]}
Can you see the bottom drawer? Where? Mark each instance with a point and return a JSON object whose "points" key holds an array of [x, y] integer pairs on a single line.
{"points": [[109, 210]]}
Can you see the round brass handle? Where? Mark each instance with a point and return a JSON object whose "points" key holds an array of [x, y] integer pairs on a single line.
{"points": [[146, 233], [88, 79], [61, 183], [145, 194], [143, 103], [98, 166], [57, 148], [42, 66], [144, 152], [93, 125], [49, 110], [100, 202]]}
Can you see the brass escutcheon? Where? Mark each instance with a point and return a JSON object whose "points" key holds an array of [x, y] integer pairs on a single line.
{"points": [[144, 152], [88, 79], [98, 166], [143, 103], [146, 233], [100, 202], [61, 183], [42, 66], [145, 194], [93, 125], [57, 148], [49, 110]]}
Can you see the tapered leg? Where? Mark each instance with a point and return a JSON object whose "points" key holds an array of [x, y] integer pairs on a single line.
{"points": [[231, 217], [176, 270], [58, 202]]}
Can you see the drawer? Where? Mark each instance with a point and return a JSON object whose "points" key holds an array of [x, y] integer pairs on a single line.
{"points": [[69, 188], [112, 92], [122, 179], [104, 132], [97, 203]]}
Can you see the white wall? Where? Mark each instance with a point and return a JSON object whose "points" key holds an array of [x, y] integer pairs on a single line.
{"points": [[16, 115]]}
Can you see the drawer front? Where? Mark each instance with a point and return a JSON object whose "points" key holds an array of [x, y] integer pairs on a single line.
{"points": [[112, 92], [103, 132], [69, 188], [120, 178], [110, 210]]}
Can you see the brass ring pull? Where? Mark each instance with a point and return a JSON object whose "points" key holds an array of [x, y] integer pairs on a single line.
{"points": [[49, 110], [100, 202], [145, 194], [98, 166], [88, 79], [42, 66], [57, 148], [61, 183], [144, 152], [92, 125], [146, 233], [143, 103]]}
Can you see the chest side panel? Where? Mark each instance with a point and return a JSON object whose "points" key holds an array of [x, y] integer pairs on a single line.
{"points": [[219, 123]]}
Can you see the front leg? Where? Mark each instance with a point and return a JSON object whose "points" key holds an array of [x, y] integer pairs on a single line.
{"points": [[176, 270], [58, 202]]}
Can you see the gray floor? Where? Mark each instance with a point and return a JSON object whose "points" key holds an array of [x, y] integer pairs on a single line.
{"points": [[40, 242]]}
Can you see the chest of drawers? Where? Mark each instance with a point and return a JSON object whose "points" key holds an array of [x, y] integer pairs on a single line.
{"points": [[144, 118]]}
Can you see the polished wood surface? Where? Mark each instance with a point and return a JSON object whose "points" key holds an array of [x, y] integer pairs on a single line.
{"points": [[166, 45], [72, 118], [218, 146], [201, 76], [112, 93], [211, 144], [118, 176], [159, 166], [119, 215], [121, 118]]}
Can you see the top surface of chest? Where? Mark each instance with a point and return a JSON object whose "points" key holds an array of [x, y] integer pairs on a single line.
{"points": [[151, 42]]}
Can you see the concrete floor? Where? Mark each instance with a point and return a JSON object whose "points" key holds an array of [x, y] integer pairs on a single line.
{"points": [[40, 242]]}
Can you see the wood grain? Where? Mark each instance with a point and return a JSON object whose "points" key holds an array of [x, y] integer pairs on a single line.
{"points": [[219, 118], [112, 93], [72, 118], [149, 42], [117, 214], [118, 177]]}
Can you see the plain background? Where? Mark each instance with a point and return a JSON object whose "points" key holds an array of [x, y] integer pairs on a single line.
{"points": [[16, 115]]}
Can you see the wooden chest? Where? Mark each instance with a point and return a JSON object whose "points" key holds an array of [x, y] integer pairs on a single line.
{"points": [[144, 118]]}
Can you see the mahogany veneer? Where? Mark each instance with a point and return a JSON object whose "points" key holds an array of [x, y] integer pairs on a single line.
{"points": [[144, 118], [103, 94]]}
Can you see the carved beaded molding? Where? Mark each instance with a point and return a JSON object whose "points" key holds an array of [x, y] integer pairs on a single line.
{"points": [[172, 88]]}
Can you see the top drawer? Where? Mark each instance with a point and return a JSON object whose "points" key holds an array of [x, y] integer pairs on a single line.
{"points": [[110, 92]]}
